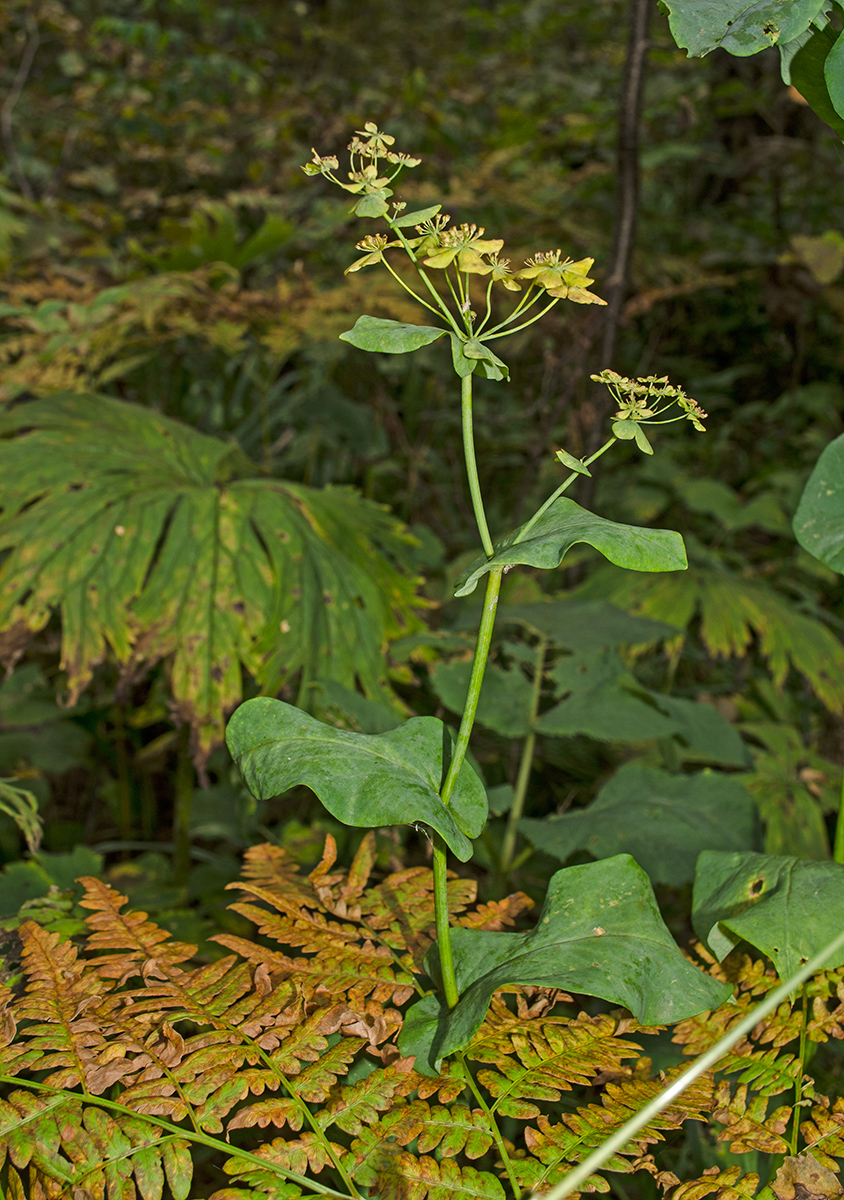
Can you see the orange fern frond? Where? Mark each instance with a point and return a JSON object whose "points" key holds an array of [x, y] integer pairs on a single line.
{"points": [[748, 1124]]}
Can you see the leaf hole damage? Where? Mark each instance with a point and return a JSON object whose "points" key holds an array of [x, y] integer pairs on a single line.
{"points": [[757, 887]]}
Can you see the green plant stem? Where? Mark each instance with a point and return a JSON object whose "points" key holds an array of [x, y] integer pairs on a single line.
{"points": [[176, 1132], [508, 846], [574, 1180], [518, 328], [458, 756], [525, 530], [472, 466], [838, 848], [500, 1144], [424, 277], [410, 290], [183, 798]]}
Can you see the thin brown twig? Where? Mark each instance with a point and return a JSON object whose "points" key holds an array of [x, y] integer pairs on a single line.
{"points": [[8, 107]]}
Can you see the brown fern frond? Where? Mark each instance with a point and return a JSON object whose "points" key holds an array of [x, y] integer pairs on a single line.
{"points": [[540, 1059], [728, 1184], [455, 1129], [557, 1146], [748, 1124], [271, 868], [497, 914], [823, 1132], [412, 1177], [142, 947], [355, 1106]]}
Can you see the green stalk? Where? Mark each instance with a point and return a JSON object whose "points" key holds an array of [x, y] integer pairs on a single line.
{"points": [[525, 530], [471, 464], [508, 846], [500, 1144], [458, 756], [838, 848], [798, 1083]]}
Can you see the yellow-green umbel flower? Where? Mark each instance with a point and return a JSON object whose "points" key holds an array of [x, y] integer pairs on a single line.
{"points": [[374, 245], [465, 244], [501, 273], [562, 278]]}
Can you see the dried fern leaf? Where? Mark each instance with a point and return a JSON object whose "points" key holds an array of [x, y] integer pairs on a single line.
{"points": [[747, 1123], [729, 1184], [823, 1132], [409, 1177]]}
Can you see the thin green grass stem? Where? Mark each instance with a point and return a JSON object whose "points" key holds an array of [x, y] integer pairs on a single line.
{"points": [[575, 1179], [508, 846], [500, 1144]]}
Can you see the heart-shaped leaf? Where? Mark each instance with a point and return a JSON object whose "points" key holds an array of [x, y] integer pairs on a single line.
{"points": [[562, 526], [738, 26], [661, 820], [368, 780], [819, 520], [599, 932], [390, 337], [789, 908]]}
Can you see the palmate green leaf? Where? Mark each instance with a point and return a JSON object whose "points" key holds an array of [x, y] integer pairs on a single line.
{"points": [[736, 615], [562, 526], [153, 542], [789, 908], [390, 337], [819, 520], [599, 932], [661, 820], [740, 26], [367, 780]]}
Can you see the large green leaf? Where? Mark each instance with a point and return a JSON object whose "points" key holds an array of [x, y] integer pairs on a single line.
{"points": [[562, 526], [739, 26], [809, 64], [151, 539], [600, 698], [599, 932], [369, 780], [390, 337], [589, 623], [786, 907], [661, 820], [705, 734], [506, 695], [819, 520]]}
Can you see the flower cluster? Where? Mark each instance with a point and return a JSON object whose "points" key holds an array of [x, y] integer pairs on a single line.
{"points": [[562, 278], [647, 398]]}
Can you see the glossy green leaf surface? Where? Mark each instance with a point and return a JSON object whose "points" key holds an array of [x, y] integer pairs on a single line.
{"points": [[819, 520], [738, 26], [661, 820], [599, 932], [366, 780], [789, 908], [390, 337], [157, 542], [563, 525]]}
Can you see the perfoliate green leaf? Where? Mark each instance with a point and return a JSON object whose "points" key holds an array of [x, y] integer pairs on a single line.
{"points": [[368, 780], [625, 431], [390, 337], [403, 220], [642, 439], [153, 542], [491, 365], [739, 26], [463, 365], [661, 820], [373, 205], [819, 520], [599, 933], [573, 464], [565, 524], [789, 908]]}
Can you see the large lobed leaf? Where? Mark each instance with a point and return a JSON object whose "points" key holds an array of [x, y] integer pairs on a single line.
{"points": [[152, 540]]}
